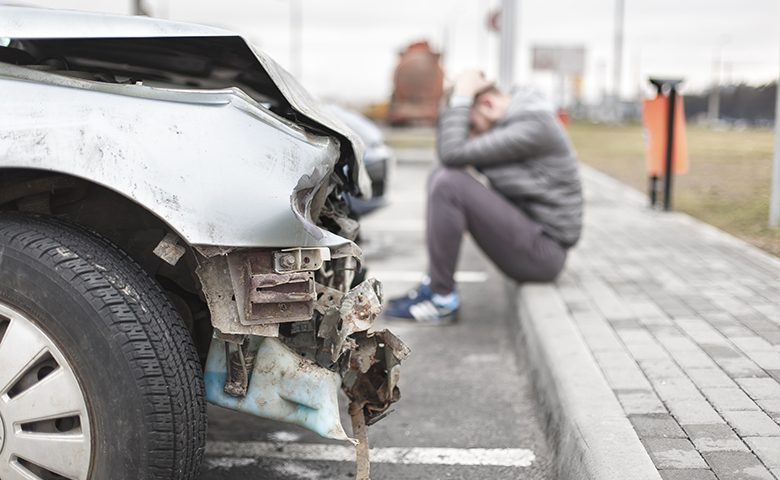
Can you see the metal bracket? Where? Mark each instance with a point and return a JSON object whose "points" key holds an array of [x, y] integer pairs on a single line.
{"points": [[278, 298], [300, 259]]}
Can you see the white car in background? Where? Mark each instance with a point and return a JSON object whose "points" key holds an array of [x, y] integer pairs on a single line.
{"points": [[171, 202]]}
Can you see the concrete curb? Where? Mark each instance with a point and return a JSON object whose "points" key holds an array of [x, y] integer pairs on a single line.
{"points": [[591, 436]]}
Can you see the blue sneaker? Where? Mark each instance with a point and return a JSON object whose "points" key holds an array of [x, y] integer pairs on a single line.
{"points": [[421, 305]]}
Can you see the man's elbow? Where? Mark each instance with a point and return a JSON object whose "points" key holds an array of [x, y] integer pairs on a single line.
{"points": [[449, 158]]}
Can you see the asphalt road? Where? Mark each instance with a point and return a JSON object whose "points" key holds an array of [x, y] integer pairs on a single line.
{"points": [[463, 387]]}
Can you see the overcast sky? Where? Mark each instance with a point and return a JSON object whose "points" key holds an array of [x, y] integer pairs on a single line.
{"points": [[350, 46]]}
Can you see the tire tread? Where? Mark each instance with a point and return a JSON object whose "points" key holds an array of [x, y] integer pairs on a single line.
{"points": [[144, 325]]}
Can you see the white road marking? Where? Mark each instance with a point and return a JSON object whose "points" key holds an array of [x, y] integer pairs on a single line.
{"points": [[284, 437], [481, 358], [461, 276], [294, 470], [229, 463], [493, 457]]}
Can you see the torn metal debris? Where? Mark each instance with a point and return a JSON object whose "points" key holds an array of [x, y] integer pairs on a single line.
{"points": [[356, 313], [323, 327], [295, 378], [239, 363]]}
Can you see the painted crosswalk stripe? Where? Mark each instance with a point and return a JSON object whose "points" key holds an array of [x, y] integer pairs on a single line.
{"points": [[221, 452]]}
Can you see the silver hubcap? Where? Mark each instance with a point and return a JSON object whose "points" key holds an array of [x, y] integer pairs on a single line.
{"points": [[2, 433], [44, 426]]}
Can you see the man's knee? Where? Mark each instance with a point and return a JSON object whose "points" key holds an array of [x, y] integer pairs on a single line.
{"points": [[446, 182]]}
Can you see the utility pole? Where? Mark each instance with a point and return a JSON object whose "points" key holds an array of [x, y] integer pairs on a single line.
{"points": [[506, 61], [617, 66], [482, 36], [296, 26], [713, 104], [774, 204], [138, 8]]}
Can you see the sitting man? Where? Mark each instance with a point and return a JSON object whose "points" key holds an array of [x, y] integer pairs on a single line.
{"points": [[528, 217]]}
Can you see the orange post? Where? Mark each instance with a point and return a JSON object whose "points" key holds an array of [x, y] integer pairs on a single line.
{"points": [[654, 115], [667, 151]]}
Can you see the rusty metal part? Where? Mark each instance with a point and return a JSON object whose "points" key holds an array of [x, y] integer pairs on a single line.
{"points": [[369, 361], [275, 298], [327, 298], [361, 306], [209, 251], [356, 313], [360, 432], [228, 337], [239, 366], [169, 249], [370, 378], [300, 259], [320, 323], [215, 278], [246, 295]]}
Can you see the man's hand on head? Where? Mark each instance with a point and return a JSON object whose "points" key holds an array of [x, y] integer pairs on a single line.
{"points": [[469, 82]]}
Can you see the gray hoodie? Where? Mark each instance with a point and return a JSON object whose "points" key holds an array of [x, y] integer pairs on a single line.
{"points": [[526, 156]]}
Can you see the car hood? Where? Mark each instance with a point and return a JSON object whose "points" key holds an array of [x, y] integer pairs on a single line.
{"points": [[41, 24]]}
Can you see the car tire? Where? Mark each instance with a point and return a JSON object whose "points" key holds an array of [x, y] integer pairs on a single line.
{"points": [[129, 385]]}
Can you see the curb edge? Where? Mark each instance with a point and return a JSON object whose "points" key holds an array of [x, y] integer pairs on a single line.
{"points": [[591, 436]]}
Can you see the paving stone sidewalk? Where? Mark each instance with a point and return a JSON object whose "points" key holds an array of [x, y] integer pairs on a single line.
{"points": [[684, 322]]}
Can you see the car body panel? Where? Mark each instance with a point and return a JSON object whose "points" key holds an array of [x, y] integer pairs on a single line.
{"points": [[213, 135], [37, 23], [175, 158]]}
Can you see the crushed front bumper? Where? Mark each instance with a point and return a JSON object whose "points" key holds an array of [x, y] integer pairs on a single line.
{"points": [[289, 332]]}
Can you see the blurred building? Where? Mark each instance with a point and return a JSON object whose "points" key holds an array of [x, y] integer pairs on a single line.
{"points": [[417, 86]]}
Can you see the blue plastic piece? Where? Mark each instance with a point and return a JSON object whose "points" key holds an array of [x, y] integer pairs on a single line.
{"points": [[283, 386]]}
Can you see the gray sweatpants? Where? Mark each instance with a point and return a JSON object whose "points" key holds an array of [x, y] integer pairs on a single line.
{"points": [[457, 203]]}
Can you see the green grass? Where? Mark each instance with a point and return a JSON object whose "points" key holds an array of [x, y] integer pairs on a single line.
{"points": [[728, 184]]}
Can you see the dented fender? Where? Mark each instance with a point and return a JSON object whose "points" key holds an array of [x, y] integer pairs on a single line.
{"points": [[217, 167]]}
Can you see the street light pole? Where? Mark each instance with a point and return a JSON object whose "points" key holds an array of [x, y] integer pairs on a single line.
{"points": [[617, 67], [774, 203], [138, 8], [506, 64], [295, 38]]}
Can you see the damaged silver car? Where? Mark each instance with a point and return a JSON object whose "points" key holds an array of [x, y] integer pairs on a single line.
{"points": [[173, 230]]}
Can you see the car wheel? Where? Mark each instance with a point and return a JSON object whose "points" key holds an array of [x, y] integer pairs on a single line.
{"points": [[99, 378]]}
